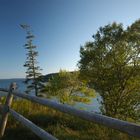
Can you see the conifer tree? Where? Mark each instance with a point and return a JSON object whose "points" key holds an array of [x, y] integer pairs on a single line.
{"points": [[33, 75]]}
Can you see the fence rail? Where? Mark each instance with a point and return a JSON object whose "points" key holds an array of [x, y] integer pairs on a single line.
{"points": [[37, 130], [123, 126]]}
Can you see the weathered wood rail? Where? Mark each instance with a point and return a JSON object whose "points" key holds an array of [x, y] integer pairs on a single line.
{"points": [[123, 126]]}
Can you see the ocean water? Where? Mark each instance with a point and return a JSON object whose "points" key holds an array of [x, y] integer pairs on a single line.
{"points": [[5, 83], [92, 107]]}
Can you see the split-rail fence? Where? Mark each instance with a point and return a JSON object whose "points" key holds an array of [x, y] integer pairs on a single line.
{"points": [[123, 126]]}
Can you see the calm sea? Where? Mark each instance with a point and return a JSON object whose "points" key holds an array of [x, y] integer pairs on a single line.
{"points": [[92, 107]]}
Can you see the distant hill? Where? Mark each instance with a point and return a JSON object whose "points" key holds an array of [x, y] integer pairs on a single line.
{"points": [[48, 76], [21, 80]]}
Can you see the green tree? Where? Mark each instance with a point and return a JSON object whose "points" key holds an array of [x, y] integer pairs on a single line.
{"points": [[33, 75], [68, 88], [112, 64]]}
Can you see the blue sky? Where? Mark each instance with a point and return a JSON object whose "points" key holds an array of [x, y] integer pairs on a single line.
{"points": [[60, 27]]}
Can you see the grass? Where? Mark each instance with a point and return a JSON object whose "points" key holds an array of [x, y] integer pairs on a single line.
{"points": [[62, 126]]}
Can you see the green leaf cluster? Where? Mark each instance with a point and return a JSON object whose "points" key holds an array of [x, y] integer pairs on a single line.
{"points": [[68, 88], [111, 63]]}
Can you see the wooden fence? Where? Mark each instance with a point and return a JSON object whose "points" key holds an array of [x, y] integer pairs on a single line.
{"points": [[123, 126]]}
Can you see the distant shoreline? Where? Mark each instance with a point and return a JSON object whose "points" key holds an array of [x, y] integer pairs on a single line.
{"points": [[11, 78]]}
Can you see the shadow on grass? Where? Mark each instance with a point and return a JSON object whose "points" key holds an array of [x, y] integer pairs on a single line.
{"points": [[20, 133]]}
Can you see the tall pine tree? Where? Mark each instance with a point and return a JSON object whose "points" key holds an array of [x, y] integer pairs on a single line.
{"points": [[33, 75]]}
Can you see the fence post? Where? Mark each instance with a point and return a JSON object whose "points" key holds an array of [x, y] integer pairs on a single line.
{"points": [[5, 111]]}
